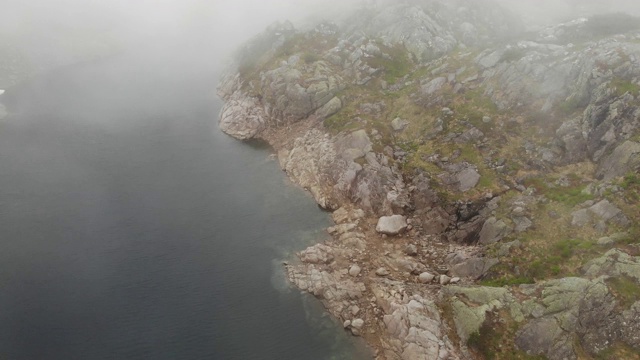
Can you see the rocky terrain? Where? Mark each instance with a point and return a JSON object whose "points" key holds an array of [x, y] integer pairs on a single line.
{"points": [[483, 178]]}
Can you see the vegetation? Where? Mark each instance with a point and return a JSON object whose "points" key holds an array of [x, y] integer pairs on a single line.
{"points": [[570, 195], [494, 339], [618, 351], [625, 289], [623, 86], [396, 62]]}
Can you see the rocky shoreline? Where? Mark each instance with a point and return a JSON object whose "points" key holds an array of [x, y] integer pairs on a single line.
{"points": [[428, 202]]}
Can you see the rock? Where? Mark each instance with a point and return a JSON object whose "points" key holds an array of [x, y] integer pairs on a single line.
{"points": [[382, 272], [493, 231], [473, 134], [399, 124], [505, 249], [411, 250], [346, 324], [522, 223], [605, 241], [242, 116], [391, 225], [609, 212], [580, 218], [355, 310], [467, 179], [426, 277], [354, 270], [623, 159], [572, 307], [454, 280], [340, 216], [317, 254], [486, 119], [341, 228], [333, 106], [491, 59], [434, 85], [444, 280], [614, 262], [468, 319], [357, 323], [474, 267]]}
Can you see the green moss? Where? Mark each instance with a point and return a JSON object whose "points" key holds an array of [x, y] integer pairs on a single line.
{"points": [[624, 86]]}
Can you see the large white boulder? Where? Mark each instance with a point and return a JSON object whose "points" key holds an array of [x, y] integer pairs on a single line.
{"points": [[391, 225]]}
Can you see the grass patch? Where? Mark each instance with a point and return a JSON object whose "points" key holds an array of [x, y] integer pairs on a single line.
{"points": [[625, 289], [396, 64], [570, 196], [569, 107], [624, 86], [618, 351]]}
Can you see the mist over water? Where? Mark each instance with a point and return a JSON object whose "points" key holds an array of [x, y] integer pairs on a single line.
{"points": [[133, 229]]}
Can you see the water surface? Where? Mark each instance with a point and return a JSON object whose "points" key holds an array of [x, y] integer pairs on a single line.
{"points": [[133, 229]]}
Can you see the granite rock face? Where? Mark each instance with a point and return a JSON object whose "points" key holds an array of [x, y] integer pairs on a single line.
{"points": [[407, 123]]}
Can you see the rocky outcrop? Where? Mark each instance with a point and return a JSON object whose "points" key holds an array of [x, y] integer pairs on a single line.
{"points": [[242, 116], [434, 163], [624, 159]]}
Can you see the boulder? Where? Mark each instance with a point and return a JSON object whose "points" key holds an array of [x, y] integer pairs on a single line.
{"points": [[333, 106], [467, 179], [357, 323], [623, 159], [398, 124], [382, 272], [411, 250], [354, 270], [473, 268], [426, 277], [242, 116], [609, 212], [434, 85], [580, 218], [493, 231], [391, 225]]}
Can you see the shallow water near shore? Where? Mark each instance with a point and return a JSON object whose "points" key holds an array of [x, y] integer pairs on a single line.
{"points": [[133, 229]]}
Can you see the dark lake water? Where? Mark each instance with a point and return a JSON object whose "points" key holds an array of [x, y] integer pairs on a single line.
{"points": [[131, 228]]}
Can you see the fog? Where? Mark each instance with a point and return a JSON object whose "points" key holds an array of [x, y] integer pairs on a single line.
{"points": [[82, 25], [72, 26]]}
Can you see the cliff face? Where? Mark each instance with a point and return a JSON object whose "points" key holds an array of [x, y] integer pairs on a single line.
{"points": [[484, 186]]}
